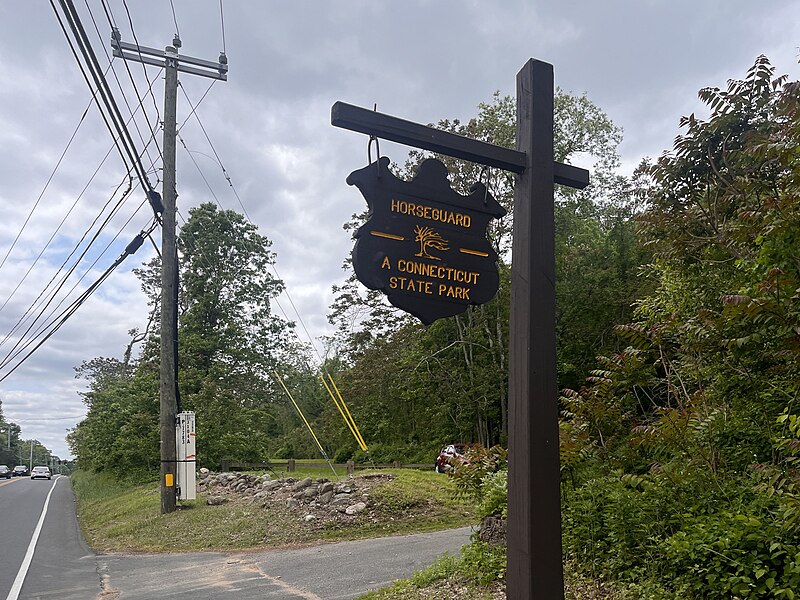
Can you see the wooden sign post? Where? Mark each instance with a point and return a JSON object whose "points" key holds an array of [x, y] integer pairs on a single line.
{"points": [[534, 496]]}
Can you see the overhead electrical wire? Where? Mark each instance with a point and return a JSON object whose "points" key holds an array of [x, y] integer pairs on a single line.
{"points": [[111, 112], [105, 223], [46, 186], [56, 324], [127, 152], [44, 326], [136, 40], [52, 295], [133, 83], [222, 24], [63, 220], [175, 19]]}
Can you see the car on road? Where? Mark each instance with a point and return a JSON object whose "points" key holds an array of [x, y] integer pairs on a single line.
{"points": [[20, 471], [40, 472], [5, 472], [451, 454]]}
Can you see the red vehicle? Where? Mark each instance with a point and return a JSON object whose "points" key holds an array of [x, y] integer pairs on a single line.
{"points": [[450, 454]]}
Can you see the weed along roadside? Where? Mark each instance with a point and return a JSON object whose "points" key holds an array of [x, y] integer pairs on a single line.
{"points": [[259, 510]]}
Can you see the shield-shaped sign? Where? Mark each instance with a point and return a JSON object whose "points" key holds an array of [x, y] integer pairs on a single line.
{"points": [[424, 244]]}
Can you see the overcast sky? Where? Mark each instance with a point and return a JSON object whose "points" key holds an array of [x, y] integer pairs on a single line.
{"points": [[641, 61]]}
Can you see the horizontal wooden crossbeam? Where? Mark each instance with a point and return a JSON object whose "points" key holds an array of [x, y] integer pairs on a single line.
{"points": [[386, 127]]}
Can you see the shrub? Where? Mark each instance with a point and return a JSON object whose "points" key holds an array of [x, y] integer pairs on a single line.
{"points": [[469, 476], [494, 497]]}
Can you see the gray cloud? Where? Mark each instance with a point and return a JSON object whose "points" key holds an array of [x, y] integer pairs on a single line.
{"points": [[422, 60]]}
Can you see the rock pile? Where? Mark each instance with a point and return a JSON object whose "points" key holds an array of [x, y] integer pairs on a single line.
{"points": [[311, 499]]}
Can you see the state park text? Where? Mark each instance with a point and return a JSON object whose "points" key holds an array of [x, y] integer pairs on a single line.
{"points": [[443, 282]]}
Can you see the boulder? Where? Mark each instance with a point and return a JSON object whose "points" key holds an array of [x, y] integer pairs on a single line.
{"points": [[302, 484], [356, 508]]}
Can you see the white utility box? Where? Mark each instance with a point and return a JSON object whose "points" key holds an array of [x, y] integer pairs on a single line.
{"points": [[185, 474]]}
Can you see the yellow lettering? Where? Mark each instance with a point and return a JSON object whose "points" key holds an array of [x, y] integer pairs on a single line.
{"points": [[431, 213], [454, 291], [386, 264]]}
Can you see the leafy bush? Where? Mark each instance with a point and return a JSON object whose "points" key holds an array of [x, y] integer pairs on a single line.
{"points": [[494, 495], [483, 563], [727, 555], [469, 476]]}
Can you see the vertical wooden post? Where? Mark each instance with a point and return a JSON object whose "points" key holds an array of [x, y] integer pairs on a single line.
{"points": [[534, 510]]}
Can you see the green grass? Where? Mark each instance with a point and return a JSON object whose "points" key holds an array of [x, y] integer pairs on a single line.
{"points": [[457, 577], [125, 517]]}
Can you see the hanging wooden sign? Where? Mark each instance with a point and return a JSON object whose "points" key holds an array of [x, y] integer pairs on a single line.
{"points": [[423, 243]]}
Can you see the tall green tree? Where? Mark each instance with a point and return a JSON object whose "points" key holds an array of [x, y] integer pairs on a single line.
{"points": [[230, 339], [230, 344]]}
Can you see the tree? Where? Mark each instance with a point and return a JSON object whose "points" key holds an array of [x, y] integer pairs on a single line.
{"points": [[693, 427], [230, 343]]}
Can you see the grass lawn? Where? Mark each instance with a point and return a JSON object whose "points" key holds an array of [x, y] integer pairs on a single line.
{"points": [[120, 517]]}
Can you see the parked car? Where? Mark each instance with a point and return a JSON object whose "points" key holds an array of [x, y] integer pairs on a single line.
{"points": [[5, 472], [20, 471], [40, 472], [450, 454]]}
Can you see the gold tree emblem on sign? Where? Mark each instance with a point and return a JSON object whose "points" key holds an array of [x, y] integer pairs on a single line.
{"points": [[428, 238]]}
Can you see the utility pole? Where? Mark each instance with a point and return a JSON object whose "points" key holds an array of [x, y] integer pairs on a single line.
{"points": [[172, 62]]}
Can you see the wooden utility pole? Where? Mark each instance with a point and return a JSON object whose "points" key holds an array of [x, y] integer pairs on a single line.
{"points": [[169, 289], [172, 62]]}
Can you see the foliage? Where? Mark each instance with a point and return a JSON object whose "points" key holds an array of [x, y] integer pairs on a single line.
{"points": [[230, 344], [470, 476], [494, 495], [694, 449], [423, 387]]}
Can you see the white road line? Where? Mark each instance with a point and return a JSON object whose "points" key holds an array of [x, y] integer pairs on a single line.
{"points": [[26, 562]]}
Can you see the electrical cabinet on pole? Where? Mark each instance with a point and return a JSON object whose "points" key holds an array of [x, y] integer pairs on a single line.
{"points": [[185, 475], [172, 62]]}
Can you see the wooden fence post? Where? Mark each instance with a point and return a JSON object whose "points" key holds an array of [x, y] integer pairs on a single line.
{"points": [[290, 465], [351, 467]]}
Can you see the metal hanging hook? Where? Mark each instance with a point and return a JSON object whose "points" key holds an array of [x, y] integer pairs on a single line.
{"points": [[485, 171], [372, 138]]}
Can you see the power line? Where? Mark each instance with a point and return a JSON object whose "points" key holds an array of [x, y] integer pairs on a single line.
{"points": [[30, 269], [46, 185], [58, 288], [175, 19], [222, 24], [53, 294], [55, 325], [133, 83], [115, 31], [117, 122]]}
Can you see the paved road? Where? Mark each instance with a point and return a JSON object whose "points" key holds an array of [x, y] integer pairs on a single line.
{"points": [[329, 572], [62, 567]]}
